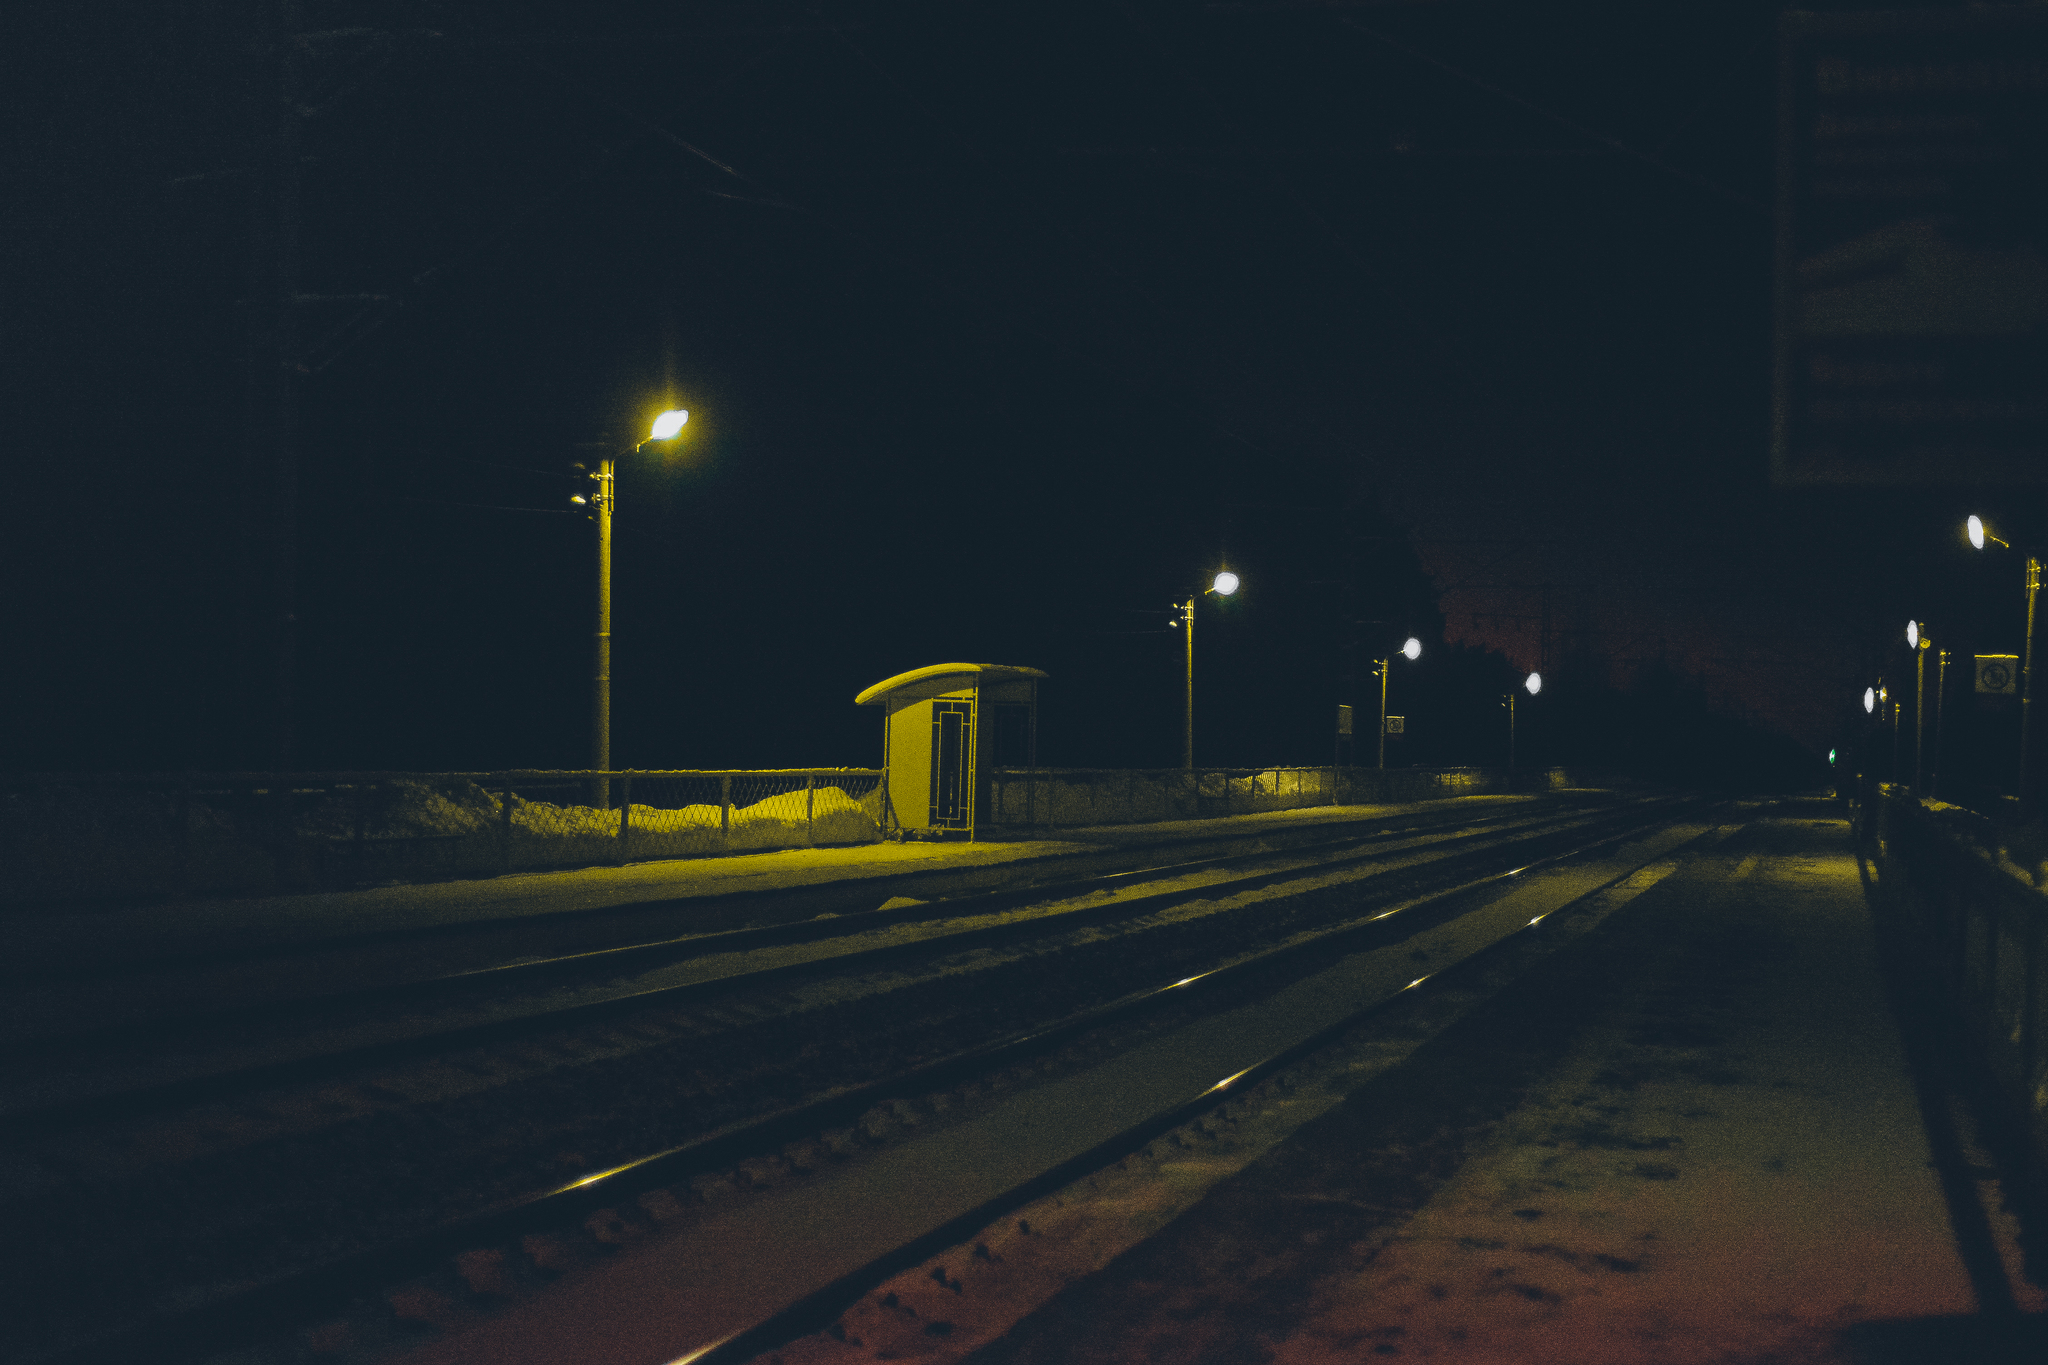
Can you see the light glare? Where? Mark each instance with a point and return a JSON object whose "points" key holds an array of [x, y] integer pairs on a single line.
{"points": [[1226, 584], [669, 423], [1869, 700], [1534, 683], [1977, 532], [1913, 633], [1413, 649]]}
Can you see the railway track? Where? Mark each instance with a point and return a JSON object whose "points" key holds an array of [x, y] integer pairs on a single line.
{"points": [[117, 1051], [1375, 877]]}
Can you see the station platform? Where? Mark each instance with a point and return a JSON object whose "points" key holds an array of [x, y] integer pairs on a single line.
{"points": [[35, 940]]}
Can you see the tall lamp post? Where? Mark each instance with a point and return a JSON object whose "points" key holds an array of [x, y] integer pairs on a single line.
{"points": [[1979, 533], [1224, 584], [1533, 684], [603, 501], [1411, 650], [1916, 636]]}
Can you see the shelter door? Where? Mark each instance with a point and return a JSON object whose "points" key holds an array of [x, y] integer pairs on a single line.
{"points": [[952, 762]]}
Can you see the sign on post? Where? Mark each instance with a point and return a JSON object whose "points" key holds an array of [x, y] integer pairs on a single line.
{"points": [[1343, 720], [1999, 673], [1395, 724], [1912, 274]]}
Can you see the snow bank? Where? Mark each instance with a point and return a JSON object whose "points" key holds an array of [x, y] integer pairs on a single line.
{"points": [[76, 841]]}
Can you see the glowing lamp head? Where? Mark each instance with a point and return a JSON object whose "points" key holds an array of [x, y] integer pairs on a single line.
{"points": [[668, 424], [1413, 649], [1869, 700], [1225, 584], [1534, 682], [1976, 527]]}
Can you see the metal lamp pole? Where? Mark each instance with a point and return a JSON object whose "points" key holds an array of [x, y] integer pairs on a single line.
{"points": [[1224, 584], [603, 502], [2029, 785], [1940, 710], [1411, 650], [1511, 732], [1187, 739], [1381, 665], [1532, 685], [1916, 636]]}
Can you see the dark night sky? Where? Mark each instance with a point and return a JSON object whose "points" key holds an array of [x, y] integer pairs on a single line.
{"points": [[1000, 325]]}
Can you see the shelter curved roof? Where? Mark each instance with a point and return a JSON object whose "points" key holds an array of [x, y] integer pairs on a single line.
{"points": [[986, 673]]}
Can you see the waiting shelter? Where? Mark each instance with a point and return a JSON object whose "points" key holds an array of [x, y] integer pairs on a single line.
{"points": [[946, 729]]}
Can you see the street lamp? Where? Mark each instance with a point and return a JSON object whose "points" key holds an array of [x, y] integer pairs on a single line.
{"points": [[603, 501], [1411, 650], [1979, 533], [1224, 584], [1917, 639], [1532, 684]]}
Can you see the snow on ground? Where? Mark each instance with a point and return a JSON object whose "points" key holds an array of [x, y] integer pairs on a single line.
{"points": [[1730, 1166], [1740, 1199], [82, 842]]}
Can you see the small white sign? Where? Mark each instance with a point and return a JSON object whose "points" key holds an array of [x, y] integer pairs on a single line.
{"points": [[1998, 673]]}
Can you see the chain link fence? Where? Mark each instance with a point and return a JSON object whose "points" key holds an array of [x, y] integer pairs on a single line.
{"points": [[97, 836]]}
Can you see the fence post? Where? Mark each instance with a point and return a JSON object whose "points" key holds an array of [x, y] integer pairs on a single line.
{"points": [[505, 824], [810, 798], [625, 814], [725, 806]]}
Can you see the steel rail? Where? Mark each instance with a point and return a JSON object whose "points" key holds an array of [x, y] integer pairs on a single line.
{"points": [[685, 947], [225, 1081], [880, 888], [249, 1314]]}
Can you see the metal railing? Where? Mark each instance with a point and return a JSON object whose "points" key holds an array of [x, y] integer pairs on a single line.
{"points": [[1973, 905], [1072, 797], [96, 836]]}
